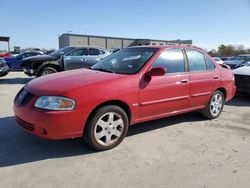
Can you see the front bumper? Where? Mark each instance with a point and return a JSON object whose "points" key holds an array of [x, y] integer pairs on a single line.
{"points": [[29, 71], [48, 124]]}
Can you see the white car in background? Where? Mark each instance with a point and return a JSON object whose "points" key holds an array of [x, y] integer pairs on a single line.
{"points": [[218, 60], [242, 78]]}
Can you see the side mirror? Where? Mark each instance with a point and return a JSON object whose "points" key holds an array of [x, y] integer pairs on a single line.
{"points": [[156, 71]]}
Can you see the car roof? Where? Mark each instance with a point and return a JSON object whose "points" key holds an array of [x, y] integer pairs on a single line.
{"points": [[167, 46], [32, 52], [98, 47]]}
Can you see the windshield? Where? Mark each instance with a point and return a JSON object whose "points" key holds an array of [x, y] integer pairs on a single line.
{"points": [[126, 61], [62, 51]]}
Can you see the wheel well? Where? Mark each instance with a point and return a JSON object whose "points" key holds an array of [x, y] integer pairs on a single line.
{"points": [[119, 103], [57, 67], [223, 91]]}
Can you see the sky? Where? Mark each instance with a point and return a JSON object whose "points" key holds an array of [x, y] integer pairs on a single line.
{"points": [[208, 23]]}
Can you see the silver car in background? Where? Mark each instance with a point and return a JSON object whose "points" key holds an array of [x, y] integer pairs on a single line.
{"points": [[84, 57]]}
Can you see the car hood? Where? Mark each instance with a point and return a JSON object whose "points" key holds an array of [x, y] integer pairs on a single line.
{"points": [[233, 62], [41, 58], [10, 59], [245, 70], [63, 82]]}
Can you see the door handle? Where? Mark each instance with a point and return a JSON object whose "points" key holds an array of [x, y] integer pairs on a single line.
{"points": [[83, 59], [216, 77], [184, 81]]}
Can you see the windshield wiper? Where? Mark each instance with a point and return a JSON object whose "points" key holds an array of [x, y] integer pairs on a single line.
{"points": [[102, 69]]}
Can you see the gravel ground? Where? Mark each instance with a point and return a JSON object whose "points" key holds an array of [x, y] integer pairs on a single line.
{"points": [[181, 151]]}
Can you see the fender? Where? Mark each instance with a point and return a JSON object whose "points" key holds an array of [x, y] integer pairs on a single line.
{"points": [[54, 63]]}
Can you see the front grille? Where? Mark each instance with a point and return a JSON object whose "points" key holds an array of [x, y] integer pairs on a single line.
{"points": [[28, 126], [23, 97]]}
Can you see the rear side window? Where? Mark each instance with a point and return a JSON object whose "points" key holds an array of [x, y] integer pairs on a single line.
{"points": [[28, 54], [78, 52], [196, 60], [94, 51], [210, 64], [172, 60]]}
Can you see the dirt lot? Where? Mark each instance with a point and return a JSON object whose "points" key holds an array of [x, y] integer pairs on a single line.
{"points": [[182, 151]]}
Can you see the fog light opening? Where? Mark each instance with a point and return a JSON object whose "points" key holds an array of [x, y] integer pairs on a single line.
{"points": [[43, 131]]}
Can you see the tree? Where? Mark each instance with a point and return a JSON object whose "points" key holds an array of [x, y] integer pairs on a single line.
{"points": [[227, 50], [213, 53]]}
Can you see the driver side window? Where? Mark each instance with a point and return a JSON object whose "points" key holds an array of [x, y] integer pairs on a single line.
{"points": [[172, 60], [78, 52]]}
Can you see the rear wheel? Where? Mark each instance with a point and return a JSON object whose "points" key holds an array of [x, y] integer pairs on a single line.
{"points": [[47, 70], [107, 128], [215, 105]]}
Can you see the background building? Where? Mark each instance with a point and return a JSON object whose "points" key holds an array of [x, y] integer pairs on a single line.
{"points": [[5, 39], [68, 39]]}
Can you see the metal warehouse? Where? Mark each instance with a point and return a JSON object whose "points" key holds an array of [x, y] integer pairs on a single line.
{"points": [[68, 39]]}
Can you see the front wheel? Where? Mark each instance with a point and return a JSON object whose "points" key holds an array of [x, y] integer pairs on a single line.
{"points": [[47, 70], [215, 105], [107, 128]]}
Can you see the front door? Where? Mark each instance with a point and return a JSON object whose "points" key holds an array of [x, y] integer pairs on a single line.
{"points": [[169, 94], [76, 59]]}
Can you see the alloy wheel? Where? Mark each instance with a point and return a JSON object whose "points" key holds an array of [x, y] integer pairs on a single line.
{"points": [[109, 128], [216, 104]]}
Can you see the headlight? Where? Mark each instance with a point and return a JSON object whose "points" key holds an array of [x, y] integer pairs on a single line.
{"points": [[55, 103]]}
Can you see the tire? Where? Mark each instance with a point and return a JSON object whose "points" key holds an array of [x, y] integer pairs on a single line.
{"points": [[107, 128], [47, 70], [215, 105]]}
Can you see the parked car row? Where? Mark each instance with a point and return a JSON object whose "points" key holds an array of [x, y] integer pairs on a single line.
{"points": [[234, 62], [238, 61], [68, 58], [36, 63]]}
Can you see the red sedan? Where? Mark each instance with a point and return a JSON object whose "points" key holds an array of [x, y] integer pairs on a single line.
{"points": [[133, 85]]}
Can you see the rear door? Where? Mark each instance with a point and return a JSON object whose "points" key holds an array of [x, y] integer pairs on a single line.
{"points": [[75, 59], [163, 95], [204, 78]]}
